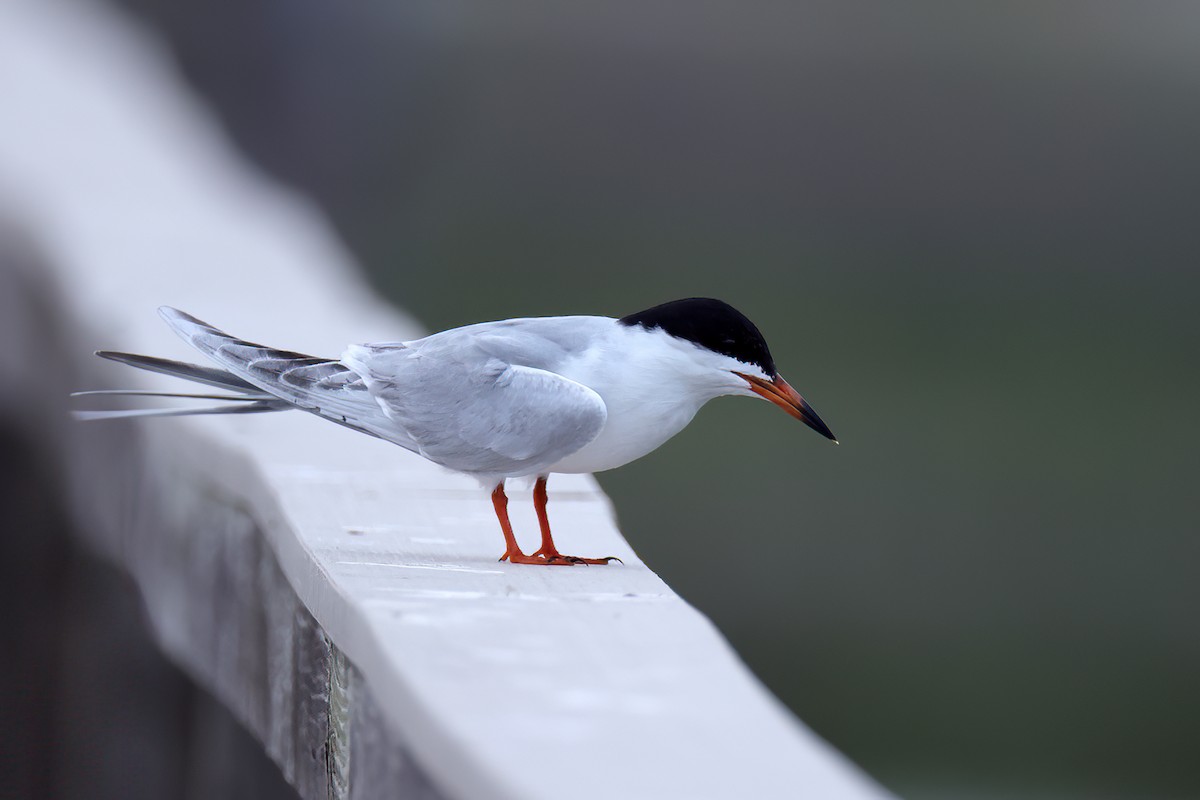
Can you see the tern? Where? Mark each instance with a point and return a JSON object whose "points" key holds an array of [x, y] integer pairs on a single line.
{"points": [[498, 400]]}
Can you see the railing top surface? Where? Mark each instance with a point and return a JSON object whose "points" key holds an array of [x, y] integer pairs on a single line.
{"points": [[506, 682]]}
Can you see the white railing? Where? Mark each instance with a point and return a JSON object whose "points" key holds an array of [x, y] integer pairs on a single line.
{"points": [[339, 595]]}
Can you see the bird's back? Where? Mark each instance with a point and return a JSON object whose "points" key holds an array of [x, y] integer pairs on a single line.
{"points": [[546, 343], [488, 399]]}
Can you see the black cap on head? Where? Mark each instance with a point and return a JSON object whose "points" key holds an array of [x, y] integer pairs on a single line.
{"points": [[711, 324]]}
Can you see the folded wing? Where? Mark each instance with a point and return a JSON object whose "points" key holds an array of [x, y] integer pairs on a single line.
{"points": [[322, 386], [473, 412]]}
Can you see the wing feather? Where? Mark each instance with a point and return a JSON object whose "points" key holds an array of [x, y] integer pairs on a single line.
{"points": [[322, 386], [479, 414]]}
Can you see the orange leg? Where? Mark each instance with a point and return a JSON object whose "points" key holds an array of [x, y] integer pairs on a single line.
{"points": [[539, 505], [548, 550], [512, 550], [500, 503]]}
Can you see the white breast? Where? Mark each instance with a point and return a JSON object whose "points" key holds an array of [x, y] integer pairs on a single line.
{"points": [[627, 436], [652, 386]]}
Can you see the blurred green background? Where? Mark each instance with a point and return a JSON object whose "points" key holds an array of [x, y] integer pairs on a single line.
{"points": [[968, 231]]}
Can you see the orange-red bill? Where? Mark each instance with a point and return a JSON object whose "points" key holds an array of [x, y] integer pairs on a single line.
{"points": [[783, 395]]}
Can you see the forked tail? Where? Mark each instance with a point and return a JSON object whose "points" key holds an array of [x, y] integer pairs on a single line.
{"points": [[249, 399], [255, 378]]}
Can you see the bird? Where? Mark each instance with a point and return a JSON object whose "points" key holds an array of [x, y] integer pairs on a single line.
{"points": [[515, 398]]}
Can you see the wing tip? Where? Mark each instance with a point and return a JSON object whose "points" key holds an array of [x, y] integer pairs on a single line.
{"points": [[176, 318]]}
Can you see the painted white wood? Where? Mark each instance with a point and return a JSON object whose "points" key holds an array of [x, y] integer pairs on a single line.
{"points": [[501, 681]]}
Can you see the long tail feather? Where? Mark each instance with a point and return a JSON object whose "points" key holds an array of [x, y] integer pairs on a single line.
{"points": [[253, 408], [264, 379], [244, 398], [249, 400], [181, 369]]}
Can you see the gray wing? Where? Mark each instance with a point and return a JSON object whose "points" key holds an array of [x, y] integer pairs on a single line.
{"points": [[322, 386], [473, 412]]}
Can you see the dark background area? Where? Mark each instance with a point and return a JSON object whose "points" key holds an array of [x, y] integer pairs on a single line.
{"points": [[969, 233]]}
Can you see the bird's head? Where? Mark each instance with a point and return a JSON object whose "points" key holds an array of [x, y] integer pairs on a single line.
{"points": [[733, 348]]}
